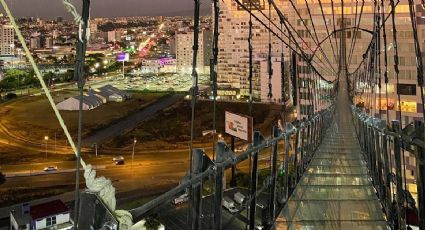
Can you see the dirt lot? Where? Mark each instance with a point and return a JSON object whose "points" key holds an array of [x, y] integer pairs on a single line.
{"points": [[171, 128], [32, 118]]}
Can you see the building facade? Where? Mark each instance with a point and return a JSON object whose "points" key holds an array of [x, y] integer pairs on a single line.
{"points": [[233, 59], [184, 51], [7, 43]]}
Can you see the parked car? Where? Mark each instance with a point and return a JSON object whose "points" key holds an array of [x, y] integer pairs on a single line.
{"points": [[51, 168], [181, 199], [239, 198], [229, 204]]}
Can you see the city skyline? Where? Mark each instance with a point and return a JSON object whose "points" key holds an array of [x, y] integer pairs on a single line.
{"points": [[105, 8]]}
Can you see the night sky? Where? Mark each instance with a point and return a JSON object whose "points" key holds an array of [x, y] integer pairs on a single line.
{"points": [[106, 8]]}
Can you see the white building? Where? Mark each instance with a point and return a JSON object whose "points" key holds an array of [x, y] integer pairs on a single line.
{"points": [[50, 215], [233, 64], [114, 35], [184, 51], [35, 43], [7, 42]]}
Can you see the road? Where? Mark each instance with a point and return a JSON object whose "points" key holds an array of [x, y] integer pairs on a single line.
{"points": [[130, 122]]}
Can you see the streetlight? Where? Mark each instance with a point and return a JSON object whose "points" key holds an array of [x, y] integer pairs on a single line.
{"points": [[46, 138], [132, 155], [96, 66]]}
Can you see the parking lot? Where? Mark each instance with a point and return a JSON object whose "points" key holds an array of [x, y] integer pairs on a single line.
{"points": [[165, 82], [175, 217]]}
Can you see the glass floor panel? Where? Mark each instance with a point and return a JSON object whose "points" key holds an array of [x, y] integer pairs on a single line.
{"points": [[332, 210], [331, 225], [324, 169], [334, 193], [335, 180], [339, 156], [339, 162]]}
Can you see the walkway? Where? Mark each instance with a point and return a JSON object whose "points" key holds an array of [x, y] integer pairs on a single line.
{"points": [[336, 191]]}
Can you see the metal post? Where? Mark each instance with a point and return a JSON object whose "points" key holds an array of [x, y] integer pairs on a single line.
{"points": [[55, 143], [308, 142], [233, 180], [286, 178], [387, 185], [196, 196], [398, 177], [298, 170], [303, 155], [253, 192], [380, 165], [272, 200], [420, 177], [219, 185]]}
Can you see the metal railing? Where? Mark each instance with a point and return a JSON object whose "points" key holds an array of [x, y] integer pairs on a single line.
{"points": [[292, 147], [385, 150]]}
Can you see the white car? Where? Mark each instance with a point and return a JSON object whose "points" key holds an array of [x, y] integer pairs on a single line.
{"points": [[51, 168], [181, 199]]}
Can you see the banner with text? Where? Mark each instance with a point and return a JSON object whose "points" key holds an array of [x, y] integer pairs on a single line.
{"points": [[239, 126]]}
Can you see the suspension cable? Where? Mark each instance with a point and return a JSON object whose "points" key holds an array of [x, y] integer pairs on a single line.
{"points": [[356, 30], [309, 32], [333, 19], [302, 53], [419, 63], [282, 40], [327, 30], [214, 68], [384, 34], [396, 60], [250, 59], [79, 76], [290, 36], [269, 58], [379, 59]]}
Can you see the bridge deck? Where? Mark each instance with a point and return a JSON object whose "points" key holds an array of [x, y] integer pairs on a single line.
{"points": [[336, 191]]}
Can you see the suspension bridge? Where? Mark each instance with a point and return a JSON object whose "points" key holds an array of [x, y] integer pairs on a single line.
{"points": [[342, 165]]}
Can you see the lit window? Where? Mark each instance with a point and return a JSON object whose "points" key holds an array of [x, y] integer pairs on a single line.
{"points": [[50, 221]]}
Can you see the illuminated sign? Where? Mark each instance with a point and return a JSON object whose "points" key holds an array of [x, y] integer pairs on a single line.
{"points": [[227, 92], [239, 126], [255, 4], [122, 57]]}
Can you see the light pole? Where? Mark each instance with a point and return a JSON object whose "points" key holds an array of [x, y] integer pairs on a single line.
{"points": [[46, 138], [55, 142], [96, 66], [132, 155]]}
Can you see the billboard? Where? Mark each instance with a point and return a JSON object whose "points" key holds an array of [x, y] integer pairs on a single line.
{"points": [[123, 57], [239, 126]]}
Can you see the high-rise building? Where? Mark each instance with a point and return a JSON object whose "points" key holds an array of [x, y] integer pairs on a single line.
{"points": [[48, 42], [114, 35], [184, 51], [35, 43], [233, 46], [7, 43]]}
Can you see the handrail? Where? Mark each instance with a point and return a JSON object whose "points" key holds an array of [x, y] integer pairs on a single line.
{"points": [[387, 175], [226, 159]]}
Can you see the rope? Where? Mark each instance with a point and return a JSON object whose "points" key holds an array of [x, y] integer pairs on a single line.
{"points": [[77, 18], [327, 30], [386, 80], [21, 39], [269, 58], [101, 185]]}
